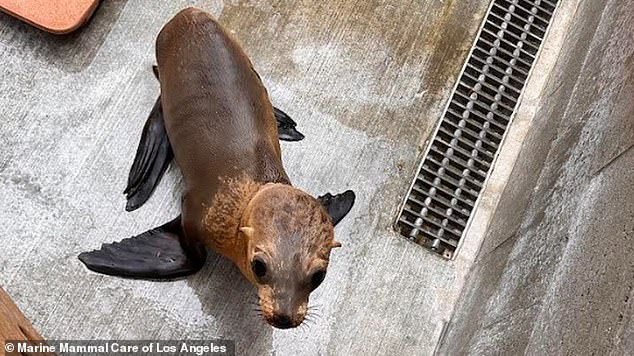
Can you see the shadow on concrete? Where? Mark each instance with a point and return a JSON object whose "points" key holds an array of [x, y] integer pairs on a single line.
{"points": [[227, 296]]}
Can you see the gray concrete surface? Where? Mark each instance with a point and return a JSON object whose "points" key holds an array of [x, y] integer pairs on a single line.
{"points": [[555, 274], [366, 81]]}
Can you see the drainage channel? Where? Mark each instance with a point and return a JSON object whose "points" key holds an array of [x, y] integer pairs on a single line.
{"points": [[459, 158]]}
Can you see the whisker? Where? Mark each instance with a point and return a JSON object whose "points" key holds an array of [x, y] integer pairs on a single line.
{"points": [[313, 314], [312, 321]]}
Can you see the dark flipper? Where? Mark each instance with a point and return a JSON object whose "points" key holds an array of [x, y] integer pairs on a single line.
{"points": [[337, 205], [286, 130], [155, 254], [152, 158]]}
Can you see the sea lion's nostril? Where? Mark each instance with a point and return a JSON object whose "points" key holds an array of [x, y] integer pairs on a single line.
{"points": [[282, 321]]}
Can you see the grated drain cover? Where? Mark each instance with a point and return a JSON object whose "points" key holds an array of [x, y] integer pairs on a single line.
{"points": [[459, 158]]}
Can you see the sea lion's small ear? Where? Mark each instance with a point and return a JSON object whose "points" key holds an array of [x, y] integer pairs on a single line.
{"points": [[247, 231], [335, 244]]}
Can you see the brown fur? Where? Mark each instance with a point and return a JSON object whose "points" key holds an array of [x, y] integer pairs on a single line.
{"points": [[295, 214], [222, 217]]}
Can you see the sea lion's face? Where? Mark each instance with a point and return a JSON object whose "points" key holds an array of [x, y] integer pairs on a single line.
{"points": [[289, 241]]}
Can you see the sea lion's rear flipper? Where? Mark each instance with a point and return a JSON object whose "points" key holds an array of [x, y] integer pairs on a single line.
{"points": [[155, 254], [337, 205], [152, 158], [286, 127], [286, 130]]}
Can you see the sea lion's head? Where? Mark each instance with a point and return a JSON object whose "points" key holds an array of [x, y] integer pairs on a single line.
{"points": [[289, 239]]}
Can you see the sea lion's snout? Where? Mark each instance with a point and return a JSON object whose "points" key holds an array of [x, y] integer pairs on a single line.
{"points": [[282, 321], [282, 311]]}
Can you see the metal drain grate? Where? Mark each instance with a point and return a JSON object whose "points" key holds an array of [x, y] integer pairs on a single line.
{"points": [[459, 158]]}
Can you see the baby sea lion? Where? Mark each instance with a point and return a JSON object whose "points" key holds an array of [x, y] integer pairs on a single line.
{"points": [[217, 121]]}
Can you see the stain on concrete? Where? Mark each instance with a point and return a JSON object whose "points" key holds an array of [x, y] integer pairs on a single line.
{"points": [[231, 300], [379, 62]]}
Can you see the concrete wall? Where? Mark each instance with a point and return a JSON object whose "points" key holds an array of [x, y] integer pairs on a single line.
{"points": [[555, 273]]}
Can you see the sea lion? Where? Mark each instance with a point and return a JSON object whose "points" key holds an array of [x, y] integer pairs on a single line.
{"points": [[218, 121]]}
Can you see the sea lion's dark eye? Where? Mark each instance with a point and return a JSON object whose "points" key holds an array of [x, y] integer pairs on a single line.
{"points": [[258, 267], [317, 278]]}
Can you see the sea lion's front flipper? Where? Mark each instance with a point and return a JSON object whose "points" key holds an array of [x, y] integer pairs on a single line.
{"points": [[286, 130], [155, 254], [152, 158], [337, 205]]}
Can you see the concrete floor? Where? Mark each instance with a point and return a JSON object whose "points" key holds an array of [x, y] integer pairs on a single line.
{"points": [[365, 80]]}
